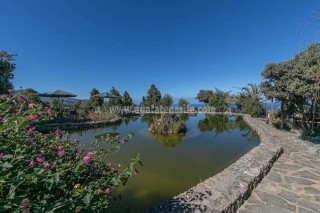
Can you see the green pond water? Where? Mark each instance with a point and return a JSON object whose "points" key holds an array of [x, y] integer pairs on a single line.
{"points": [[173, 164]]}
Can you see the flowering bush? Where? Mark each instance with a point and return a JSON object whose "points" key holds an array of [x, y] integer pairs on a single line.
{"points": [[43, 173]]}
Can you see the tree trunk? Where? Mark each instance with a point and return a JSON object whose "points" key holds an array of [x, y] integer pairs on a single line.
{"points": [[282, 117], [314, 105], [271, 111]]}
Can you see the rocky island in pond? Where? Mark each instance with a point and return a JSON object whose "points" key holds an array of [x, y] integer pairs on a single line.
{"points": [[168, 124]]}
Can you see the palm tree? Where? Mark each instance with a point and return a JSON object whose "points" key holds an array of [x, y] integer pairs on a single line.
{"points": [[250, 99]]}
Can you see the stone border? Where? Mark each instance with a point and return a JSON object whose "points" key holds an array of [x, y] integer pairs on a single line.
{"points": [[79, 126], [226, 191]]}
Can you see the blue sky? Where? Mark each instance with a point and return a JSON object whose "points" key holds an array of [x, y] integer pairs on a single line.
{"points": [[181, 46]]}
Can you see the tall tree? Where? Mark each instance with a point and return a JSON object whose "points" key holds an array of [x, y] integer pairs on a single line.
{"points": [[249, 100], [296, 83], [94, 101], [219, 100], [183, 103], [115, 101], [166, 100], [204, 96], [126, 99], [143, 102], [6, 71], [153, 96]]}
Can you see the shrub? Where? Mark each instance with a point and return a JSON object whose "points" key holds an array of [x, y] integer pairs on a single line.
{"points": [[45, 172]]}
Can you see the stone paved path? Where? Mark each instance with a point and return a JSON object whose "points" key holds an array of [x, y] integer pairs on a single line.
{"points": [[292, 185]]}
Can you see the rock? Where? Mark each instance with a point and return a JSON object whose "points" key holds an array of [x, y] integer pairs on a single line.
{"points": [[168, 124]]}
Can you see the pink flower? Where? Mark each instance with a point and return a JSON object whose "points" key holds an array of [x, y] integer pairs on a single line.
{"points": [[31, 106], [120, 174], [48, 165], [32, 117], [76, 141], [39, 159], [117, 137], [21, 98], [32, 163], [10, 90], [49, 111], [20, 111], [58, 131], [31, 129], [91, 154], [135, 171], [61, 154], [2, 155], [78, 155], [108, 190], [24, 202], [86, 159], [60, 148]]}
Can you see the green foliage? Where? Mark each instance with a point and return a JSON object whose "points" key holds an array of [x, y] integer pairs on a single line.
{"points": [[143, 102], [94, 101], [57, 106], [296, 83], [153, 96], [204, 96], [31, 95], [76, 106], [249, 101], [126, 99], [183, 103], [219, 100], [48, 173], [6, 71], [115, 101], [166, 100]]}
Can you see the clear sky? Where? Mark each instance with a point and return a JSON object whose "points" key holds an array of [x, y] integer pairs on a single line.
{"points": [[181, 46]]}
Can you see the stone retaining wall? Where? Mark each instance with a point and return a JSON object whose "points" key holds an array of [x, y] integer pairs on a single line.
{"points": [[226, 191], [79, 126]]}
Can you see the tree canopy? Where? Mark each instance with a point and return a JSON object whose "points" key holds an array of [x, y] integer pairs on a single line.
{"points": [[6, 71], [126, 99], [204, 96], [183, 103], [115, 101], [296, 83], [153, 96], [166, 100], [94, 101]]}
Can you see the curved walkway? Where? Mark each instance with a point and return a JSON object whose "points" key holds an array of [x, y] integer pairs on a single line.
{"points": [[262, 180], [293, 184]]}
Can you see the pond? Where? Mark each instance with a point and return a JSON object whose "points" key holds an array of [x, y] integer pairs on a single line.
{"points": [[173, 164]]}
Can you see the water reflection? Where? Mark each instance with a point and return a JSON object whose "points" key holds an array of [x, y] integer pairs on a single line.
{"points": [[150, 118], [219, 124], [127, 120], [167, 140]]}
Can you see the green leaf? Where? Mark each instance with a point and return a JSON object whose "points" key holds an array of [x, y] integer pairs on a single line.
{"points": [[87, 199], [4, 208], [6, 165], [57, 177], [6, 157], [49, 183], [12, 192]]}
